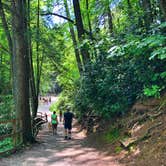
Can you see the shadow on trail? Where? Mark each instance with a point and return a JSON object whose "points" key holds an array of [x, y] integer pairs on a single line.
{"points": [[55, 151]]}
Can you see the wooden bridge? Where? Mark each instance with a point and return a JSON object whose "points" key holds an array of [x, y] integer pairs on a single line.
{"points": [[11, 132]]}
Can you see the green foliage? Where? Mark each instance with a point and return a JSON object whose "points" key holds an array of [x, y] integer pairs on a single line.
{"points": [[6, 144], [112, 135], [53, 107], [5, 129], [6, 107], [154, 90], [62, 103], [65, 100], [125, 64], [6, 113], [118, 149], [122, 75]]}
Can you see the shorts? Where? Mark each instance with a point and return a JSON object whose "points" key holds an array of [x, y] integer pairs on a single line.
{"points": [[54, 126], [68, 126]]}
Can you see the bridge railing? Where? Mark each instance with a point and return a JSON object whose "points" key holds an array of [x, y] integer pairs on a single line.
{"points": [[11, 134], [38, 121]]}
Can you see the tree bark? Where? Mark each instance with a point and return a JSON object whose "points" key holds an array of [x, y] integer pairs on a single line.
{"points": [[88, 18], [81, 32], [9, 38], [76, 50], [148, 17], [90, 29], [6, 28], [163, 8], [37, 51], [21, 67], [33, 94], [130, 12], [110, 24]]}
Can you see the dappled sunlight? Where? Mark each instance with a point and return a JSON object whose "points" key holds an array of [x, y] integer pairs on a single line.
{"points": [[97, 67], [54, 150]]}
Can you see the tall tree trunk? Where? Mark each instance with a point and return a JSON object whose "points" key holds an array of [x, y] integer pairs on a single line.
{"points": [[6, 29], [130, 12], [88, 18], [163, 8], [90, 29], [21, 66], [110, 24], [37, 51], [76, 50], [33, 93], [81, 32], [148, 17], [9, 39]]}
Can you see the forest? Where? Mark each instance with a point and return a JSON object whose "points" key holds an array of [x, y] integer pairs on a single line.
{"points": [[99, 56]]}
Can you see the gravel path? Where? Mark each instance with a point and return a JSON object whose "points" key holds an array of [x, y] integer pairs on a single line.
{"points": [[55, 151]]}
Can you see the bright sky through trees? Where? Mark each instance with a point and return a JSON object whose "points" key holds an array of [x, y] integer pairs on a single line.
{"points": [[59, 10]]}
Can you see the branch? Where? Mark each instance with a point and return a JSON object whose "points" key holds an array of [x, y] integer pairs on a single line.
{"points": [[68, 19], [58, 15]]}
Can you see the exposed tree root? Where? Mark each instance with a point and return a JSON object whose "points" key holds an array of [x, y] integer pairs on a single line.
{"points": [[127, 143]]}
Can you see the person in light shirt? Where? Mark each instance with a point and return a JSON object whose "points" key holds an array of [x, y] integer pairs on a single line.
{"points": [[54, 122]]}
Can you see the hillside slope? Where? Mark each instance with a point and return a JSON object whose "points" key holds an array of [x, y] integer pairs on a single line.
{"points": [[139, 137]]}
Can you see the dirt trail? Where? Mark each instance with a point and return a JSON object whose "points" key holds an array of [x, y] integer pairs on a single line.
{"points": [[55, 151]]}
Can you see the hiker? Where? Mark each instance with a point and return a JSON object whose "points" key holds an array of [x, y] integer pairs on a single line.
{"points": [[49, 99], [68, 117], [54, 122], [60, 115], [45, 100]]}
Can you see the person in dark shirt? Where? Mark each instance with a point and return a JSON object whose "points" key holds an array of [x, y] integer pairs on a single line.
{"points": [[68, 117]]}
